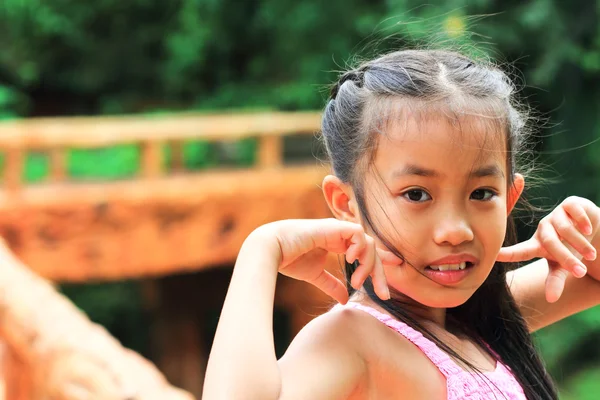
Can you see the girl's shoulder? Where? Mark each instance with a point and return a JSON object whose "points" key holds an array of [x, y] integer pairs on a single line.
{"points": [[352, 329], [397, 367], [340, 331], [363, 354], [325, 361]]}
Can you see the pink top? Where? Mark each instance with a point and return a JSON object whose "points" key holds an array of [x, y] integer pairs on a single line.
{"points": [[460, 384]]}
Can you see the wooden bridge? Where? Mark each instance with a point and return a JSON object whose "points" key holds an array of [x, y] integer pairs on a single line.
{"points": [[165, 220]]}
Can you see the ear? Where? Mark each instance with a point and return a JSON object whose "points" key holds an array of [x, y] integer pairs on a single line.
{"points": [[340, 199], [514, 192]]}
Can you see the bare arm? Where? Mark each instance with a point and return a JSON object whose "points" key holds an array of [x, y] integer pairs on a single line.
{"points": [[528, 286], [322, 363], [242, 361]]}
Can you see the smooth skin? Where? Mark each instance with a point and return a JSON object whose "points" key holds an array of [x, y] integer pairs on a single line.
{"points": [[429, 205]]}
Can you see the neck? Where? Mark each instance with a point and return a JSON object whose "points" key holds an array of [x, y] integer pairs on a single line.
{"points": [[437, 316]]}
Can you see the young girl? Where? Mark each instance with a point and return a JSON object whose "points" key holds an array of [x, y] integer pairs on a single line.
{"points": [[423, 146]]}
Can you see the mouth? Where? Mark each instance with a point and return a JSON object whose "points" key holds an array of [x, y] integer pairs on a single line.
{"points": [[449, 274], [451, 267]]}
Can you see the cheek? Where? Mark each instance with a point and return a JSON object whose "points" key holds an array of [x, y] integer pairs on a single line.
{"points": [[492, 230], [407, 232], [405, 279]]}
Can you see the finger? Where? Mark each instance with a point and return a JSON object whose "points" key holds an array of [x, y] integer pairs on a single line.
{"points": [[579, 215], [366, 260], [358, 242], [523, 251], [389, 258], [379, 280], [558, 252], [571, 235], [332, 235], [315, 259], [555, 282], [359, 276], [331, 286], [321, 278]]}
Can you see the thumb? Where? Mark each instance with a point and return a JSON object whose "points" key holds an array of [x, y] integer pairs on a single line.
{"points": [[520, 252], [322, 279], [555, 282], [331, 286]]}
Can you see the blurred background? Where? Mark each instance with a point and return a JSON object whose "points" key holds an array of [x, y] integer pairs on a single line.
{"points": [[165, 59]]}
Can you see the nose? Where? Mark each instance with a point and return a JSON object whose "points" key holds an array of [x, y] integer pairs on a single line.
{"points": [[452, 229]]}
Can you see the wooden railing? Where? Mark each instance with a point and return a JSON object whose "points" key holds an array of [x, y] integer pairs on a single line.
{"points": [[68, 229], [65, 230], [57, 135], [51, 350]]}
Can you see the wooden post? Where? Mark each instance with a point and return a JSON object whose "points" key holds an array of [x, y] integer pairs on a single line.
{"points": [[151, 159], [270, 151], [17, 376], [65, 355], [58, 164], [13, 168], [177, 160]]}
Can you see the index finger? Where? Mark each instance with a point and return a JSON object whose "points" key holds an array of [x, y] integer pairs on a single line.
{"points": [[331, 285], [379, 281], [389, 258], [523, 251]]}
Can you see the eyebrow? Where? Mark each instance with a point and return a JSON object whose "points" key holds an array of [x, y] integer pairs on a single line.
{"points": [[487, 170], [412, 169]]}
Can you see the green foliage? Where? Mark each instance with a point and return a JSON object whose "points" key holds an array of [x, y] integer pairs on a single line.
{"points": [[117, 307], [116, 162], [11, 103], [584, 386], [36, 167], [566, 345]]}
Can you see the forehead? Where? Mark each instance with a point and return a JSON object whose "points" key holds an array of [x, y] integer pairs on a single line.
{"points": [[442, 143]]}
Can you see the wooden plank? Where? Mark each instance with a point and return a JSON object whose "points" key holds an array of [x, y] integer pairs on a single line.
{"points": [[67, 355], [147, 228], [91, 132], [13, 168], [270, 151], [151, 159], [177, 157], [58, 164], [17, 375]]}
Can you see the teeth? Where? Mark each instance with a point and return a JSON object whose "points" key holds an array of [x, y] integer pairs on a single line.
{"points": [[451, 267]]}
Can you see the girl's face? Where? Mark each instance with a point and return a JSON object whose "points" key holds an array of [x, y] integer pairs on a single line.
{"points": [[438, 193]]}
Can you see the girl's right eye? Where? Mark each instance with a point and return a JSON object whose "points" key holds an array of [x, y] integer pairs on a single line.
{"points": [[416, 195]]}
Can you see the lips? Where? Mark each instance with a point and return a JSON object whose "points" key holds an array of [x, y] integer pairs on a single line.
{"points": [[455, 259], [452, 269]]}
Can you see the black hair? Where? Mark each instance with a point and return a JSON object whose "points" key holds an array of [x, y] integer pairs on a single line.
{"points": [[360, 104]]}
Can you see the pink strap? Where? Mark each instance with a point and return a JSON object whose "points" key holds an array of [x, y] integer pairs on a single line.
{"points": [[460, 384]]}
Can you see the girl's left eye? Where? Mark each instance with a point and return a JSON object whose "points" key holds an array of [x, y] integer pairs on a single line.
{"points": [[483, 194], [417, 195]]}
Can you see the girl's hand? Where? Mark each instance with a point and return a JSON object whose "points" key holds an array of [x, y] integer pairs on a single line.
{"points": [[563, 238], [304, 245]]}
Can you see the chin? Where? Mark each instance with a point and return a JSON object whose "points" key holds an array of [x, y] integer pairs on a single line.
{"points": [[446, 298], [446, 303]]}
